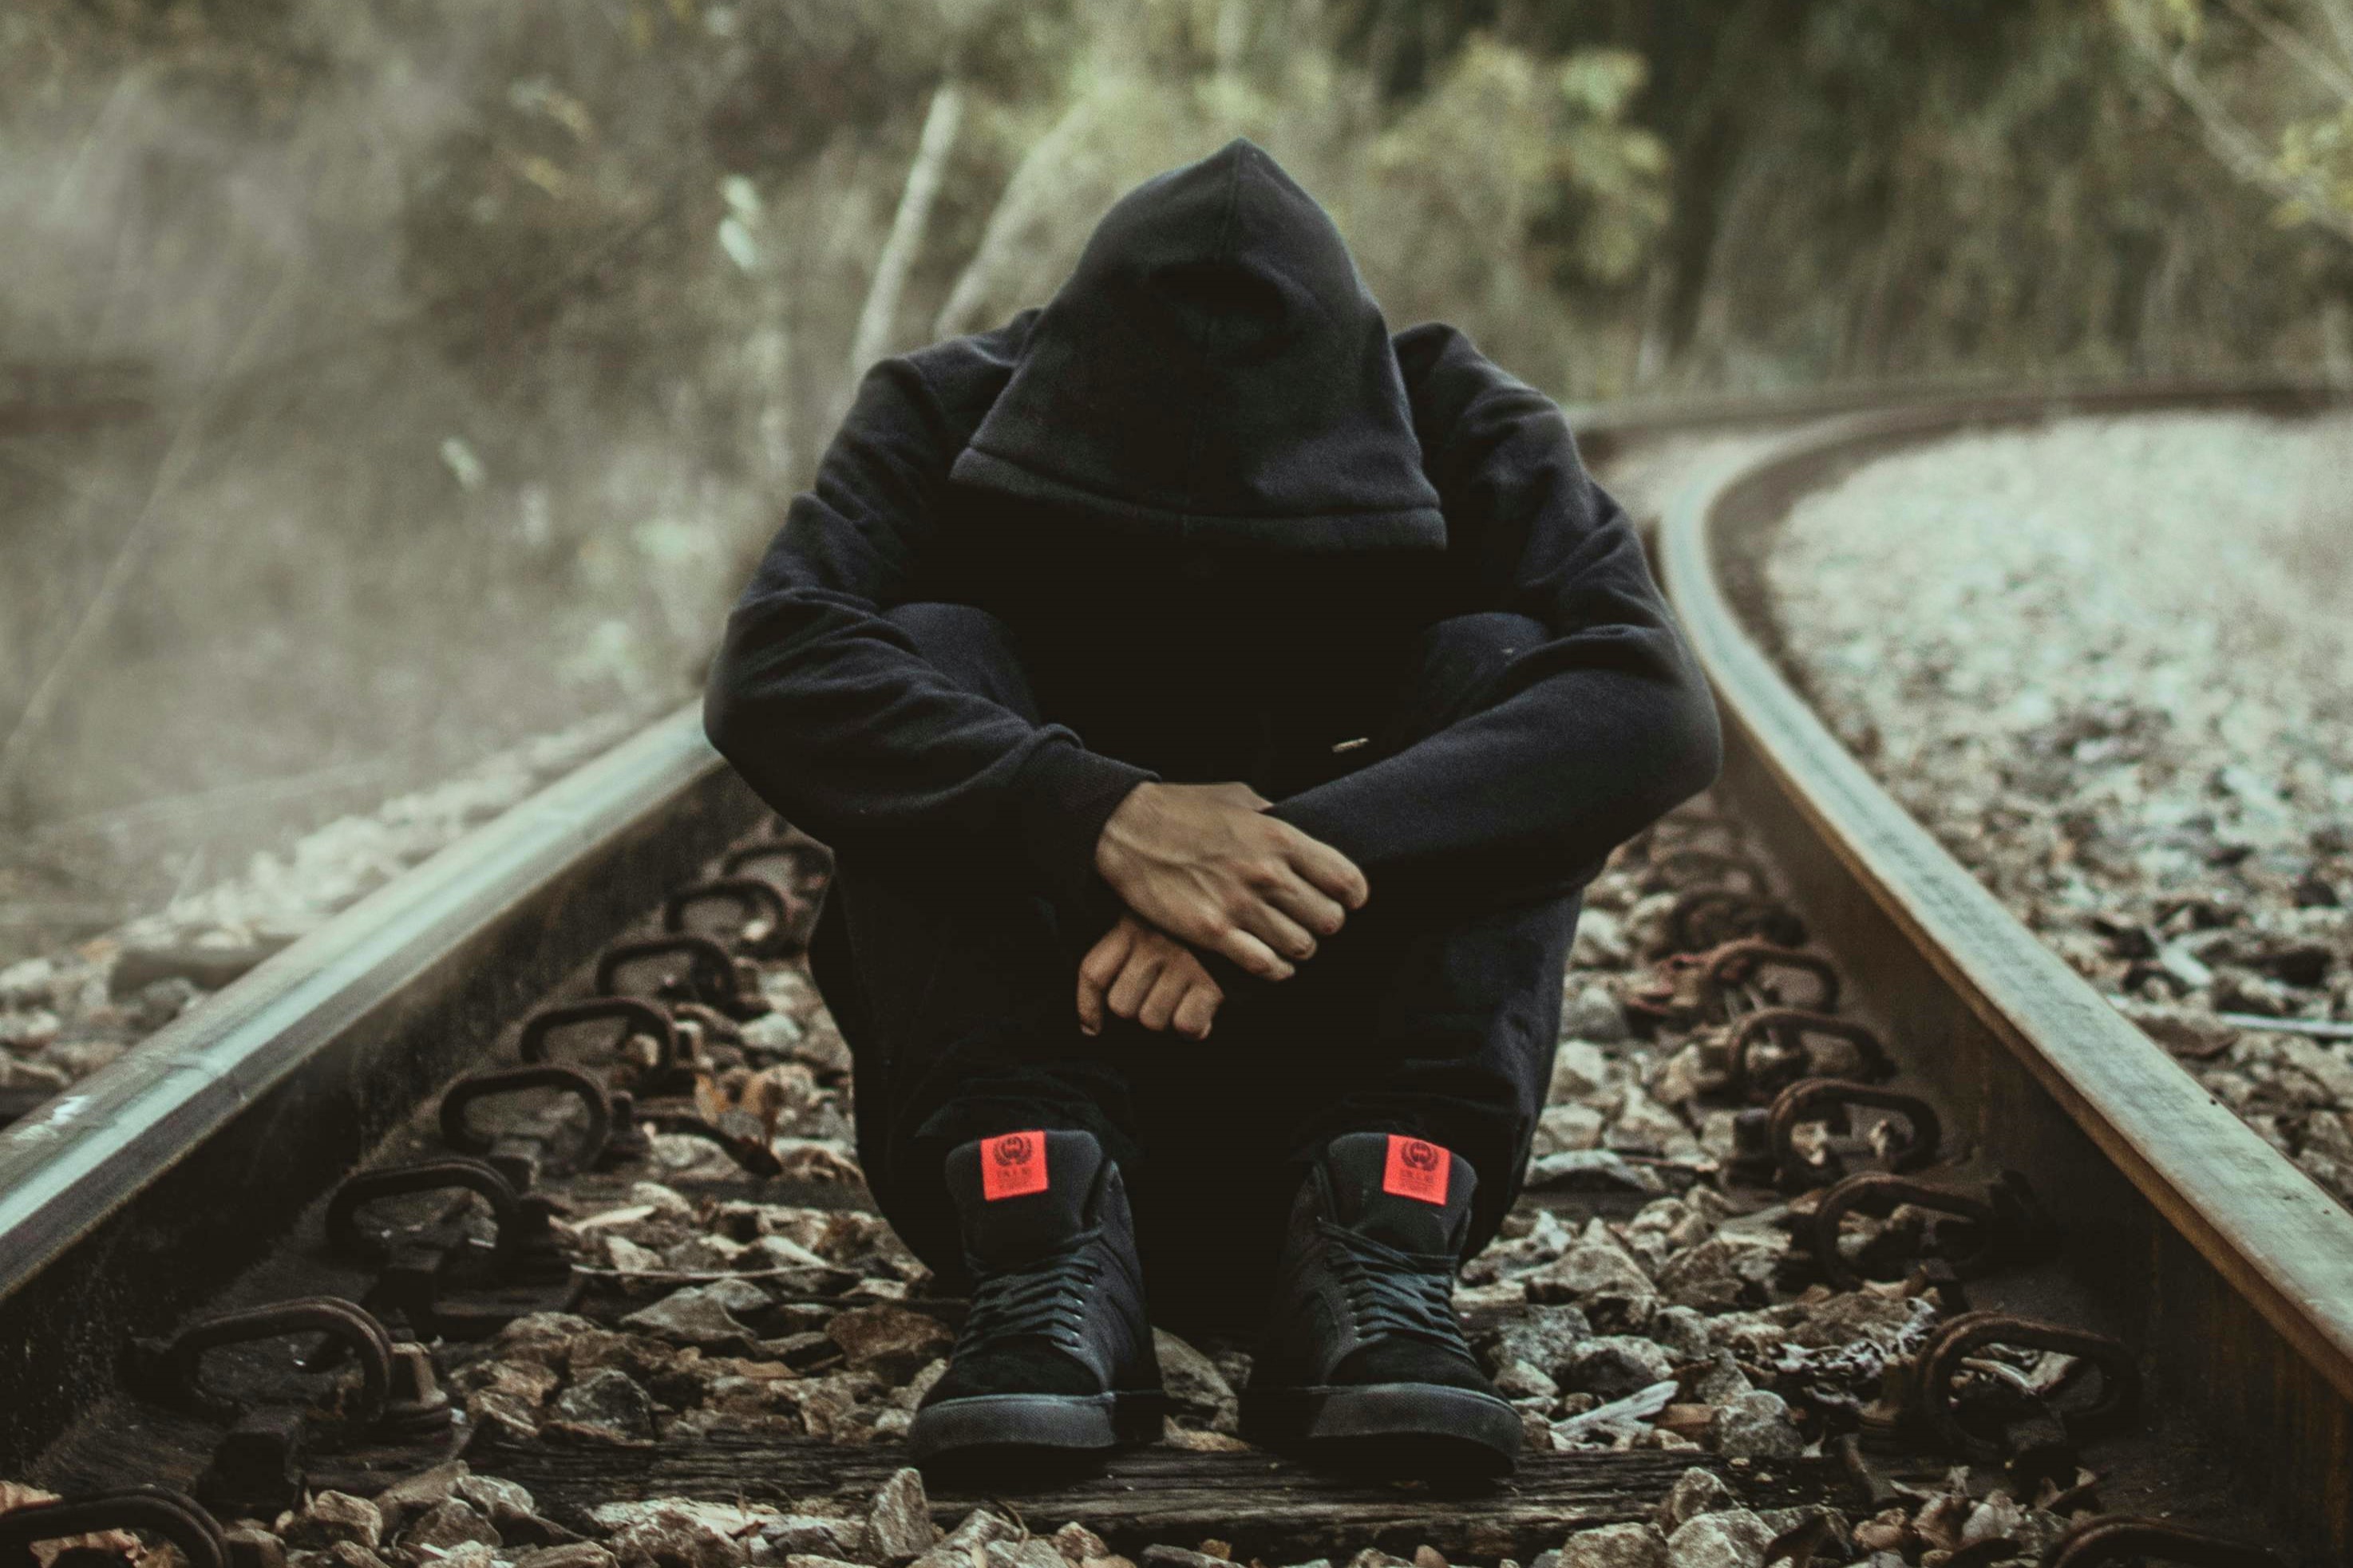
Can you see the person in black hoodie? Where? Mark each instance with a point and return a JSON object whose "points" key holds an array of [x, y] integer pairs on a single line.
{"points": [[1216, 705]]}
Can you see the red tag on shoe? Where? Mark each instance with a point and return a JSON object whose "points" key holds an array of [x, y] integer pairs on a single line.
{"points": [[1012, 1165], [1417, 1169]]}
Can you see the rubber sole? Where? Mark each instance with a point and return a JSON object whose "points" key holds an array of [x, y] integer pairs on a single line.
{"points": [[987, 1426], [1398, 1429]]}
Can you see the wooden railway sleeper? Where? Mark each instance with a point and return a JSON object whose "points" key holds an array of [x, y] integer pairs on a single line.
{"points": [[178, 1518], [2121, 1539], [462, 1096], [766, 926], [2006, 1223], [1827, 1101], [710, 974]]}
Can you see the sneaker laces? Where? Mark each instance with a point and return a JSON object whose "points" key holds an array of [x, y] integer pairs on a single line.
{"points": [[1394, 1292], [1043, 1299]]}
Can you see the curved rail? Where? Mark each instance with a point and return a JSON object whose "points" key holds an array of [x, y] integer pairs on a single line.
{"points": [[283, 1079], [2227, 1259], [2213, 1223]]}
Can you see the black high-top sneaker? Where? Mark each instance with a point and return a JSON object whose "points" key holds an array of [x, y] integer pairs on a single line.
{"points": [[1363, 1361], [1056, 1354]]}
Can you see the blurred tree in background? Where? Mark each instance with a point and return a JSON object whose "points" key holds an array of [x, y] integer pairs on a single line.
{"points": [[483, 341], [2271, 89]]}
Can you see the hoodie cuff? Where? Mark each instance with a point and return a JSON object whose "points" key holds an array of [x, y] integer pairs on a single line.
{"points": [[1067, 793]]}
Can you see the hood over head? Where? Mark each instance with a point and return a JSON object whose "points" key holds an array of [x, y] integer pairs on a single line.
{"points": [[1214, 368]]}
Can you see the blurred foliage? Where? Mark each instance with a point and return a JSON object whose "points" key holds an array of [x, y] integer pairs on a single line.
{"points": [[485, 340], [2270, 85]]}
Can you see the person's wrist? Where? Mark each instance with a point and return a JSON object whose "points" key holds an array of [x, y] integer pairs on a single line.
{"points": [[1111, 840]]}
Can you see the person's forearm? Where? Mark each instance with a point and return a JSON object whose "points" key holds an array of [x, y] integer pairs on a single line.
{"points": [[1542, 784], [843, 728]]}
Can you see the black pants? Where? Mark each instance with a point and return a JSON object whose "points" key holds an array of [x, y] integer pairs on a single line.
{"points": [[1434, 1011]]}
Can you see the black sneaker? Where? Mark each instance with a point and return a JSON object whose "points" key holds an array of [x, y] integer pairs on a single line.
{"points": [[1056, 1355], [1362, 1362]]}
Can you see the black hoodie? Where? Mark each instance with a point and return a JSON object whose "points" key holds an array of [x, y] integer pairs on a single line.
{"points": [[1203, 484]]}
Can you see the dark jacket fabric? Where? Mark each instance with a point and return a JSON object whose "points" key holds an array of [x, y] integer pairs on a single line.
{"points": [[1214, 500]]}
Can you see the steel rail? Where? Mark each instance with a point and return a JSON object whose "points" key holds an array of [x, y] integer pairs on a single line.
{"points": [[257, 1102], [2231, 1270], [1606, 430], [283, 1079]]}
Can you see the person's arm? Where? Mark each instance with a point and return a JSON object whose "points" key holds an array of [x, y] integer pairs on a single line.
{"points": [[1593, 732], [834, 718]]}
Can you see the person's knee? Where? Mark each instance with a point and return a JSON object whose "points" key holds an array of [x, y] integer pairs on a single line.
{"points": [[1491, 638], [970, 646], [935, 626], [1458, 662]]}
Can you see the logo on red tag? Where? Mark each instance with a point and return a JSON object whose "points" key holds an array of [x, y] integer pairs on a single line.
{"points": [[1417, 1169], [1012, 1165]]}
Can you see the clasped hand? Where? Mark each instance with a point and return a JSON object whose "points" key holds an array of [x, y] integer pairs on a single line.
{"points": [[1202, 866]]}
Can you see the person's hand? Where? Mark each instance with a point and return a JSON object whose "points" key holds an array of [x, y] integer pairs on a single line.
{"points": [[1149, 976], [1206, 864]]}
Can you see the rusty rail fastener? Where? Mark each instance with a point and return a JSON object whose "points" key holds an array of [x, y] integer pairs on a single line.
{"points": [[1786, 1027], [1692, 863], [175, 1517], [628, 1140], [1703, 917], [1962, 1337], [643, 1018], [2003, 1212], [764, 923], [512, 1217], [461, 1095], [1675, 992], [810, 858], [1826, 1099], [711, 974], [169, 1371], [2120, 1538], [1743, 959], [716, 1027]]}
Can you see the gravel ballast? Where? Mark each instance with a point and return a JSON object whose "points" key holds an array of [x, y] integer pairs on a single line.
{"points": [[67, 1013], [2109, 665]]}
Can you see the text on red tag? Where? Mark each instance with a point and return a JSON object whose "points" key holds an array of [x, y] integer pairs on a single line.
{"points": [[1014, 1164], [1417, 1169]]}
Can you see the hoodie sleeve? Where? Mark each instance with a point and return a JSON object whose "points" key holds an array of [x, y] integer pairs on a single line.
{"points": [[1587, 736], [830, 713]]}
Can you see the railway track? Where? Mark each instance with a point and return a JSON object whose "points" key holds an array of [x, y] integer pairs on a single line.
{"points": [[1849, 1182]]}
